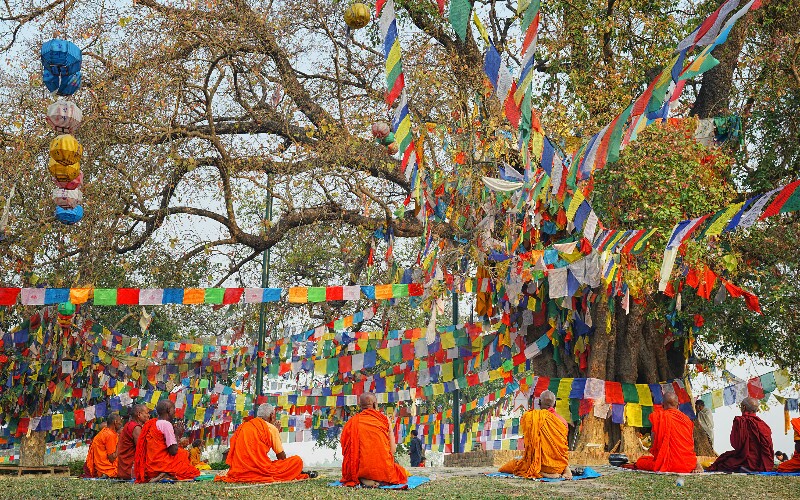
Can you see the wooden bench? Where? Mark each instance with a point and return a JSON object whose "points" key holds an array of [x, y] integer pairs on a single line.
{"points": [[16, 470]]}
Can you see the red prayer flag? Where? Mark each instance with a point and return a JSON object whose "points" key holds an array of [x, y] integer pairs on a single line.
{"points": [[541, 385], [8, 296], [415, 289], [754, 388], [614, 393], [345, 364], [232, 295], [128, 296], [334, 293]]}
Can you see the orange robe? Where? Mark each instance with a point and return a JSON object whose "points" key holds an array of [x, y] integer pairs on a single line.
{"points": [[153, 459], [194, 458], [793, 465], [97, 462], [248, 458], [673, 443], [545, 434], [366, 453]]}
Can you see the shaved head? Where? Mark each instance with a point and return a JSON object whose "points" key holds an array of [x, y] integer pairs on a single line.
{"points": [[367, 400], [165, 408], [547, 400], [749, 405], [670, 401], [114, 419]]}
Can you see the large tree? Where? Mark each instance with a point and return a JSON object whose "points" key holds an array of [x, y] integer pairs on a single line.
{"points": [[196, 113]]}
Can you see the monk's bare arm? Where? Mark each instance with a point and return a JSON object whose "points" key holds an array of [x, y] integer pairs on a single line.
{"points": [[172, 450], [136, 432], [281, 455], [392, 443]]}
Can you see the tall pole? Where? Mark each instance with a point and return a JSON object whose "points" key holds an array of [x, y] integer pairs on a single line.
{"points": [[262, 320], [457, 392]]}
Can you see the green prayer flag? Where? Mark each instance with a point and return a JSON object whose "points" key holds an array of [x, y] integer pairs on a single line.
{"points": [[616, 136], [459, 17], [316, 294], [333, 365], [69, 420], [554, 383], [574, 409], [214, 295], [646, 411], [105, 296], [629, 393], [399, 290]]}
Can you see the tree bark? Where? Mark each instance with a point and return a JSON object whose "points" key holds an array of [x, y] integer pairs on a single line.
{"points": [[31, 450]]}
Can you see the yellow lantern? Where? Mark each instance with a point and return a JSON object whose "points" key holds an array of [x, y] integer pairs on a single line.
{"points": [[65, 149], [64, 173], [357, 15]]}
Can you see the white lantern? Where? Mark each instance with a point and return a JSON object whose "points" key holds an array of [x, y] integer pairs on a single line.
{"points": [[64, 116], [67, 198]]}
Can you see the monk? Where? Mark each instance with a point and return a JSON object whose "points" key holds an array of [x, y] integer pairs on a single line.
{"points": [[101, 461], [751, 439], [368, 448], [128, 437], [545, 434], [673, 445], [194, 455], [157, 454], [250, 445], [793, 465]]}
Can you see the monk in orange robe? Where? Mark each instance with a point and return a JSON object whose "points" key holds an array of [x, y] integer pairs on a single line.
{"points": [[194, 455], [368, 448], [250, 445], [157, 453], [128, 437], [793, 465], [546, 451], [101, 461], [673, 443], [751, 439]]}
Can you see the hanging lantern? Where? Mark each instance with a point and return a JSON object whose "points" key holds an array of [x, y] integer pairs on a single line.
{"points": [[75, 183], [66, 309], [64, 173], [65, 149], [357, 15], [61, 58], [61, 85], [69, 216], [388, 139], [392, 148], [67, 198], [380, 130], [64, 116]]}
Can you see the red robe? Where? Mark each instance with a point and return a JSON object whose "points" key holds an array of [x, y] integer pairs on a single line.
{"points": [[751, 439], [152, 457], [793, 465], [366, 451], [673, 443], [127, 450]]}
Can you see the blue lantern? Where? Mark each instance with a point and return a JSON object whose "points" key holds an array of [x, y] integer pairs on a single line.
{"points": [[61, 58], [62, 85], [69, 216]]}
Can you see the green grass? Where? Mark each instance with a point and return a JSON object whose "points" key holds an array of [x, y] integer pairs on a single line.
{"points": [[613, 485]]}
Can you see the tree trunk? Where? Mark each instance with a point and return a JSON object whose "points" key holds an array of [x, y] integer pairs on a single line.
{"points": [[31, 450], [593, 436], [628, 368]]}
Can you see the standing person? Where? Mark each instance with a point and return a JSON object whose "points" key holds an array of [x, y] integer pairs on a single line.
{"points": [[368, 448], [157, 453], [705, 420], [128, 437], [416, 451], [751, 439], [101, 461], [248, 454], [546, 450]]}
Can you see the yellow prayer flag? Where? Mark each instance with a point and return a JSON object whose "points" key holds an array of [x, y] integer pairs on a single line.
{"points": [[481, 28], [79, 295], [495, 374], [577, 199], [564, 388], [447, 339], [200, 414], [438, 389], [385, 353], [298, 295], [717, 400], [645, 396], [719, 224], [447, 372], [383, 292], [633, 414], [469, 285], [283, 401], [156, 397], [58, 421], [320, 366], [562, 408]]}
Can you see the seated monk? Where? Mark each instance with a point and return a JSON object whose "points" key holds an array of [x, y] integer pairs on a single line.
{"points": [[250, 445], [101, 461], [194, 455], [751, 439], [545, 434], [368, 448], [128, 437], [673, 443], [157, 453], [793, 465]]}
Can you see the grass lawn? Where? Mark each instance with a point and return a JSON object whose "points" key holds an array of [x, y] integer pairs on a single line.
{"points": [[611, 485]]}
